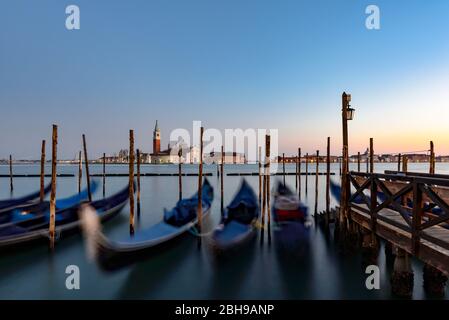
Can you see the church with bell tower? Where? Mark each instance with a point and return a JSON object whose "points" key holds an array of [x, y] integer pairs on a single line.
{"points": [[162, 156], [156, 139]]}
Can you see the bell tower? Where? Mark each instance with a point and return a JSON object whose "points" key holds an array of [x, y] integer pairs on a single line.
{"points": [[156, 139]]}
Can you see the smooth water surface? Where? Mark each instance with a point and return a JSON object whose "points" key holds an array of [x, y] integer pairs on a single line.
{"points": [[184, 271]]}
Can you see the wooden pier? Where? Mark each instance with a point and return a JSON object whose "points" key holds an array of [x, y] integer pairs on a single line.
{"points": [[414, 229]]}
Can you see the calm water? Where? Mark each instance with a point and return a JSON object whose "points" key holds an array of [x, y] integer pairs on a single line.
{"points": [[184, 272]]}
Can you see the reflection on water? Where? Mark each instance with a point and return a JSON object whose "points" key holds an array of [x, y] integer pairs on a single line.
{"points": [[255, 271]]}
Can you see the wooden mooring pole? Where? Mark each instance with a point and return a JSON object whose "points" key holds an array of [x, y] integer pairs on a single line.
{"points": [[260, 175], [283, 167], [264, 193], [221, 180], [200, 188], [307, 171], [358, 161], [268, 153], [11, 185], [371, 155], [345, 187], [328, 180], [367, 163], [405, 163], [339, 166], [399, 162], [299, 173], [131, 182], [138, 175], [316, 182], [180, 172], [104, 175], [80, 171], [41, 194], [432, 159], [52, 225], [86, 162], [296, 173]]}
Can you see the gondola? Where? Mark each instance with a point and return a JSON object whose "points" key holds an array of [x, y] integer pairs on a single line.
{"points": [[111, 255], [291, 218], [6, 205], [238, 224], [66, 222], [28, 215], [336, 192]]}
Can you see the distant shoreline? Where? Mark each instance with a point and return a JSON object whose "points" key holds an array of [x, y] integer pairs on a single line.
{"points": [[28, 162]]}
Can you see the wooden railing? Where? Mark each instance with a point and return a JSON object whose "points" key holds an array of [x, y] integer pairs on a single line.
{"points": [[412, 196]]}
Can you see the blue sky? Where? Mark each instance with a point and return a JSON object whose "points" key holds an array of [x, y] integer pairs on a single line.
{"points": [[231, 64]]}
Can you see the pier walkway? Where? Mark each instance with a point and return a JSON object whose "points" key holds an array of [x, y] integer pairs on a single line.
{"points": [[411, 211]]}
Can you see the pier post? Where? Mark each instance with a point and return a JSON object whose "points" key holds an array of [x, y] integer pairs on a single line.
{"points": [[370, 247], [11, 186], [434, 281], [371, 155], [180, 172], [131, 182], [52, 225], [80, 171], [399, 162], [389, 253], [432, 159], [358, 161], [402, 278], [41, 195], [200, 188], [86, 162], [316, 183], [328, 179], [299, 173], [104, 175]]}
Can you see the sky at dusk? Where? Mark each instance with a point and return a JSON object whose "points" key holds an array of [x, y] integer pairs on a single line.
{"points": [[230, 64]]}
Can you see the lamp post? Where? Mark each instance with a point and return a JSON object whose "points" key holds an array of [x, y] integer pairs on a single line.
{"points": [[347, 114]]}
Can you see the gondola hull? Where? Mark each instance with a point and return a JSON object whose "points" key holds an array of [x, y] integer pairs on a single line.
{"points": [[33, 198], [232, 237], [291, 237], [108, 208], [291, 222], [110, 257], [238, 224]]}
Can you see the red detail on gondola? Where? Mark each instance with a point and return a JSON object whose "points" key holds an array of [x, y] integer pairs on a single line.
{"points": [[285, 215]]}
